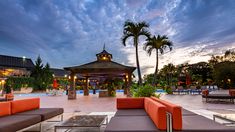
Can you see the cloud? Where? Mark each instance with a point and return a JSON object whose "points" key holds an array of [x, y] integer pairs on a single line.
{"points": [[67, 33]]}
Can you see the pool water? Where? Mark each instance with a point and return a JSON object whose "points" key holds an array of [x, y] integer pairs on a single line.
{"points": [[78, 92]]}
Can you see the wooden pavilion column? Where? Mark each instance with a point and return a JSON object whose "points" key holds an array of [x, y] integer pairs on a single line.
{"points": [[86, 90], [129, 83], [126, 84], [72, 90]]}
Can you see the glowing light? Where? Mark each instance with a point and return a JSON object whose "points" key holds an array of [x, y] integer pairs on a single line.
{"points": [[104, 58], [75, 77], [65, 75]]}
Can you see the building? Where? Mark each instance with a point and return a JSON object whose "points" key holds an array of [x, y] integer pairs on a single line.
{"points": [[22, 66], [15, 66], [103, 68]]}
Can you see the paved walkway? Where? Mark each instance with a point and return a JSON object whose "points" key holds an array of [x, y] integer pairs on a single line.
{"points": [[93, 104]]}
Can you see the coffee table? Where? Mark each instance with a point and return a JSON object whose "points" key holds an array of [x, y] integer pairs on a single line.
{"points": [[83, 123]]}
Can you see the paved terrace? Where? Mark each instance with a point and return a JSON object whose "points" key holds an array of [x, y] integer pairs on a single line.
{"points": [[92, 104]]}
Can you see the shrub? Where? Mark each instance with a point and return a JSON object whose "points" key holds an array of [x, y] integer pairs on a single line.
{"points": [[18, 82], [168, 90], [143, 90]]}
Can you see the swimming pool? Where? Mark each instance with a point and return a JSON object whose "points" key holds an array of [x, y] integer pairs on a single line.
{"points": [[79, 92]]}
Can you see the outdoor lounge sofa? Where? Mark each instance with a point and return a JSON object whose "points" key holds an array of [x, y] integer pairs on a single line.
{"points": [[230, 96], [20, 114], [8, 97], [138, 115], [154, 115]]}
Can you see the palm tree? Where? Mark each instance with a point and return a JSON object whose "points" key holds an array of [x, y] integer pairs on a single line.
{"points": [[159, 43], [135, 30]]}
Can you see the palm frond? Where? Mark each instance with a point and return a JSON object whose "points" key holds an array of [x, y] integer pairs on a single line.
{"points": [[149, 50], [125, 37], [146, 33]]}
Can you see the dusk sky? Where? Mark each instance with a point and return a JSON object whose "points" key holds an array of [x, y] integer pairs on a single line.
{"points": [[71, 32]]}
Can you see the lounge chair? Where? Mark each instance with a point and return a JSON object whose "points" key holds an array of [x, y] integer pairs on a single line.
{"points": [[230, 96], [194, 90], [180, 90]]}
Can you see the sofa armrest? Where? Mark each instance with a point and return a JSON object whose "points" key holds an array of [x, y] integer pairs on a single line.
{"points": [[175, 110]]}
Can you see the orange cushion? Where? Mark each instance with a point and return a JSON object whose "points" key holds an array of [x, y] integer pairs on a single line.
{"points": [[175, 111], [9, 96], [146, 103], [24, 105], [157, 112], [231, 92], [5, 108], [205, 92], [130, 103]]}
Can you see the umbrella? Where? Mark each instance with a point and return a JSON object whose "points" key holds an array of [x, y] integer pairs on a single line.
{"points": [[55, 84]]}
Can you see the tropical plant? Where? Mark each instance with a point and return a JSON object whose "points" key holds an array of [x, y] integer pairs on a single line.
{"points": [[143, 90], [18, 82], [7, 89], [168, 72], [135, 30], [148, 79], [159, 43]]}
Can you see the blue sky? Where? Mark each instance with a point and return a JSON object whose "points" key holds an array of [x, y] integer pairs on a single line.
{"points": [[70, 32]]}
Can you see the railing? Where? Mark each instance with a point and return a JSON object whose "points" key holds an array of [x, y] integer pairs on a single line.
{"points": [[168, 122]]}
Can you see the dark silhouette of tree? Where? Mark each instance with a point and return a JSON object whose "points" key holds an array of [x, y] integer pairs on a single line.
{"points": [[135, 30], [159, 43], [42, 75]]}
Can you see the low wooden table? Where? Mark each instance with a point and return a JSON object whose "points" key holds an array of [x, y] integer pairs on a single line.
{"points": [[91, 123]]}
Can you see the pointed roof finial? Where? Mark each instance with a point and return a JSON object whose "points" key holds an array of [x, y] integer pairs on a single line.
{"points": [[104, 47]]}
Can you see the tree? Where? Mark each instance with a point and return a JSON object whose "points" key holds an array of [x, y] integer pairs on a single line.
{"points": [[201, 68], [47, 75], [42, 75], [224, 74], [37, 74], [168, 72], [135, 30], [159, 43]]}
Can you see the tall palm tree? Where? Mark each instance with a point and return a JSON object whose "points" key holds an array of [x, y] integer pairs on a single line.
{"points": [[135, 30], [159, 43]]}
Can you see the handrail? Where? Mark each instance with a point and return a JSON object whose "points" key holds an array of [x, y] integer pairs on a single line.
{"points": [[169, 122]]}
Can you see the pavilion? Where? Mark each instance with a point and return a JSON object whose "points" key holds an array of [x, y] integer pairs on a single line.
{"points": [[103, 67]]}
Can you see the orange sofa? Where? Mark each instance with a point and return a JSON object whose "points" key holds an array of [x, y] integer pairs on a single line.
{"points": [[138, 114], [149, 115], [8, 97], [20, 114]]}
